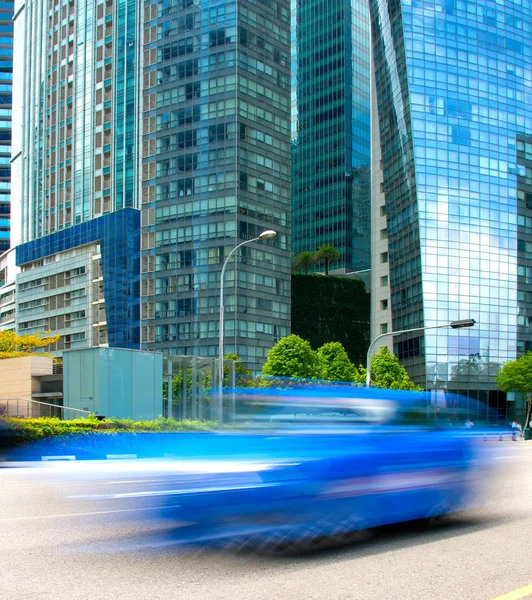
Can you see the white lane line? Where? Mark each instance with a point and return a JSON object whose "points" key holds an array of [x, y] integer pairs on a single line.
{"points": [[84, 484], [507, 456], [139, 481], [85, 514]]}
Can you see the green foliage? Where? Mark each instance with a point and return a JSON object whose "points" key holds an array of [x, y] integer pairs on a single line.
{"points": [[44, 427], [304, 261], [335, 364], [292, 356], [516, 375], [15, 346], [327, 254], [332, 309], [388, 373], [239, 366]]}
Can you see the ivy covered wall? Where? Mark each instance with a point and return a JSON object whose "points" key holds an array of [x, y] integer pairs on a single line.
{"points": [[332, 309]]}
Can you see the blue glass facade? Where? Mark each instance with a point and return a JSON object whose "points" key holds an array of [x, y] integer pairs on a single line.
{"points": [[119, 237], [6, 85], [454, 90]]}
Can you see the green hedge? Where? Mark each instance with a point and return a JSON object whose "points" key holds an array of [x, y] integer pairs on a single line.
{"points": [[34, 429]]}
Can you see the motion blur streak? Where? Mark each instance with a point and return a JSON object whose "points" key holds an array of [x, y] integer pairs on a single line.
{"points": [[304, 465]]}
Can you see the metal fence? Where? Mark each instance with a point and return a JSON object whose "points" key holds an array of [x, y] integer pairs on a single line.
{"points": [[29, 408]]}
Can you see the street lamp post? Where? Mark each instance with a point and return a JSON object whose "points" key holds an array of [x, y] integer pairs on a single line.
{"points": [[265, 235], [453, 325]]}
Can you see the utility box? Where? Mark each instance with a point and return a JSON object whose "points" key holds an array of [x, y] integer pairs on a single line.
{"points": [[113, 382]]}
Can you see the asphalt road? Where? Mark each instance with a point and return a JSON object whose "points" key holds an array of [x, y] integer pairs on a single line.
{"points": [[57, 545]]}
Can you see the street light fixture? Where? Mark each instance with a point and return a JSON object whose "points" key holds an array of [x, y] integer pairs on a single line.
{"points": [[453, 325], [265, 235]]}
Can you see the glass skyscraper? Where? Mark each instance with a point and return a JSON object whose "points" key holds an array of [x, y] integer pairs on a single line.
{"points": [[78, 105], [453, 93], [331, 129], [6, 83]]}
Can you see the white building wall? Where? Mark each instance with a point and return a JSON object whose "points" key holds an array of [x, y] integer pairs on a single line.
{"points": [[381, 315], [8, 272]]}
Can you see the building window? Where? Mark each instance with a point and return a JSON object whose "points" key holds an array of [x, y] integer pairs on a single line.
{"points": [[217, 38], [384, 304], [384, 234], [384, 327], [384, 257], [384, 280]]}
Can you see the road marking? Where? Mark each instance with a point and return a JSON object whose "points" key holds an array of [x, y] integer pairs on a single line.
{"points": [[516, 594], [84, 514], [507, 456], [61, 457]]}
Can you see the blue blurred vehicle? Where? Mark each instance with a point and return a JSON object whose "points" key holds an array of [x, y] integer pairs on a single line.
{"points": [[313, 467], [309, 466]]}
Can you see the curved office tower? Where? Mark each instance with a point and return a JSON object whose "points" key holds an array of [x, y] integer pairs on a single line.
{"points": [[454, 90]]}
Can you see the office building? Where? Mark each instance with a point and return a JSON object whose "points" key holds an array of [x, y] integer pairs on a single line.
{"points": [[155, 110], [331, 130], [83, 282], [453, 94], [76, 148], [8, 273], [6, 89], [216, 160]]}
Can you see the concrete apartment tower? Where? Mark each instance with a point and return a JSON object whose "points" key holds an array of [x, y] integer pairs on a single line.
{"points": [[453, 94], [154, 138]]}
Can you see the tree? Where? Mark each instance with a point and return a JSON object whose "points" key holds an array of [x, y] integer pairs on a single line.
{"points": [[516, 376], [14, 346], [388, 373], [239, 367], [304, 260], [292, 356], [335, 364], [326, 253]]}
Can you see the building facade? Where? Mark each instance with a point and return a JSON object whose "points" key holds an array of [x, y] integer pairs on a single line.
{"points": [[331, 139], [8, 291], [83, 282], [180, 109], [216, 160], [453, 94], [76, 153], [6, 90]]}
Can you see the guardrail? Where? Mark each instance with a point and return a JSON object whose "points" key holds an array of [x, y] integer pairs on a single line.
{"points": [[29, 408]]}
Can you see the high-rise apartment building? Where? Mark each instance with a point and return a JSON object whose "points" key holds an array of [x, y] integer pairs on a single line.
{"points": [[453, 93], [215, 172], [179, 109], [78, 116], [331, 130], [6, 84]]}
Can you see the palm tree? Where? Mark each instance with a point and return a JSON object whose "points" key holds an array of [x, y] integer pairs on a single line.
{"points": [[304, 260], [327, 254]]}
